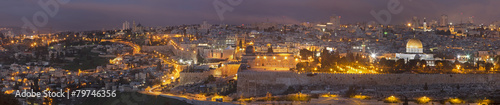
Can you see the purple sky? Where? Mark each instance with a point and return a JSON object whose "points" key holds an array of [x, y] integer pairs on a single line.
{"points": [[109, 14]]}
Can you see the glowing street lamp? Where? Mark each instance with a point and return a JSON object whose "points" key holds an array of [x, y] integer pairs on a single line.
{"points": [[423, 100], [484, 102], [373, 55], [391, 99], [456, 101]]}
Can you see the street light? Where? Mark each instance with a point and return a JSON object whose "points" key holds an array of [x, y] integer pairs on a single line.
{"points": [[373, 55], [423, 100], [391, 99]]}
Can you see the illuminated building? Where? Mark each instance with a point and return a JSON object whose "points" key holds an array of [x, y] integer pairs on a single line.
{"points": [[415, 22], [444, 20], [425, 25], [414, 50], [268, 60], [414, 46], [126, 25], [471, 20], [424, 28], [334, 22], [205, 27]]}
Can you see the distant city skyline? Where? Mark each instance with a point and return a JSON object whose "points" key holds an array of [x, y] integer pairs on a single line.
{"points": [[110, 14]]}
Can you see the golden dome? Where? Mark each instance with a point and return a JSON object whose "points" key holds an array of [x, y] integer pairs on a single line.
{"points": [[414, 43]]}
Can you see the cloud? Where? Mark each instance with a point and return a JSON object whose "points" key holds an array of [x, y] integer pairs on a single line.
{"points": [[109, 14]]}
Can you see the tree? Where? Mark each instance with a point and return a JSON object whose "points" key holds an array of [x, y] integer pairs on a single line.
{"points": [[439, 65], [270, 49], [426, 87], [269, 96], [423, 63], [412, 64], [52, 56], [383, 62], [199, 57], [350, 57], [304, 53], [448, 32], [301, 65], [6, 99], [326, 59], [457, 62], [406, 101], [36, 86], [159, 66], [240, 44], [497, 63], [488, 66], [351, 92], [417, 57], [211, 78], [400, 64]]}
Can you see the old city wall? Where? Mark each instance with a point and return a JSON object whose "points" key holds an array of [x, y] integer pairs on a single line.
{"points": [[259, 83], [196, 77], [193, 77]]}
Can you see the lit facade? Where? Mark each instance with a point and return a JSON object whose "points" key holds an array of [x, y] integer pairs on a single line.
{"points": [[414, 49], [276, 60]]}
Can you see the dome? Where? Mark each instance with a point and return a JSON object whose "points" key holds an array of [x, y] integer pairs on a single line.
{"points": [[414, 46], [414, 43], [253, 32], [229, 48], [250, 50]]}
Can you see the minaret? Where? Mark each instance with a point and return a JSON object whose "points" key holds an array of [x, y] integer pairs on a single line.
{"points": [[425, 25], [133, 26]]}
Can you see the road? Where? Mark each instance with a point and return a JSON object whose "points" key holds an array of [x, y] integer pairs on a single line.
{"points": [[137, 48]]}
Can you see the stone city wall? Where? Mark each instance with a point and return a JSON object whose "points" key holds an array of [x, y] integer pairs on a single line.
{"points": [[259, 83], [196, 77], [193, 77]]}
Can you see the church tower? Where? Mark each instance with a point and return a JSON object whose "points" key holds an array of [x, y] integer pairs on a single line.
{"points": [[425, 25]]}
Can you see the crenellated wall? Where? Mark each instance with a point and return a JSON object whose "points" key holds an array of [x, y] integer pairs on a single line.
{"points": [[259, 83], [195, 77]]}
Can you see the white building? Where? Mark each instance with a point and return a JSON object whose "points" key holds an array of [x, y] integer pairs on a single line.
{"points": [[126, 25], [414, 49]]}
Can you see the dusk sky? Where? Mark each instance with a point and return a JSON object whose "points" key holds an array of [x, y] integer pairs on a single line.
{"points": [[109, 14]]}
